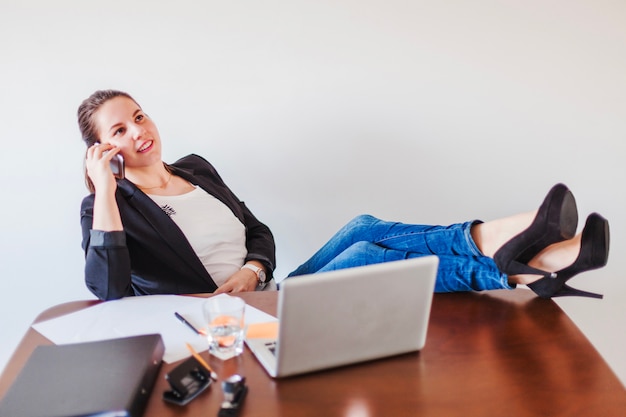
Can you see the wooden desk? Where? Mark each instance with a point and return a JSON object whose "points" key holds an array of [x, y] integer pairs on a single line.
{"points": [[498, 353]]}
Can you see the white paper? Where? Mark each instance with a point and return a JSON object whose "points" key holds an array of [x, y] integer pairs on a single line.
{"points": [[132, 316]]}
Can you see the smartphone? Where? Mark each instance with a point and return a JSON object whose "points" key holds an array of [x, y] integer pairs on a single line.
{"points": [[117, 166]]}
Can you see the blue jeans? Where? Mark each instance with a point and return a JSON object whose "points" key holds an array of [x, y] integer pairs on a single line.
{"points": [[367, 240]]}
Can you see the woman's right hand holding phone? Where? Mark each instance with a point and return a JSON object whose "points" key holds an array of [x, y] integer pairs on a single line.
{"points": [[106, 214], [98, 165]]}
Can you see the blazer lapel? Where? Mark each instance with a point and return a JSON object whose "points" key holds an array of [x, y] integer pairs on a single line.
{"points": [[171, 234]]}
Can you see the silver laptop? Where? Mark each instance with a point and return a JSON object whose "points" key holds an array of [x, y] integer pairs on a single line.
{"points": [[350, 315]]}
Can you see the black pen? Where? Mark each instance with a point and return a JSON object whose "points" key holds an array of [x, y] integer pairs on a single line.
{"points": [[181, 318]]}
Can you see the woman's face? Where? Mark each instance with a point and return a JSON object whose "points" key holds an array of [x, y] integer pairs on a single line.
{"points": [[122, 123]]}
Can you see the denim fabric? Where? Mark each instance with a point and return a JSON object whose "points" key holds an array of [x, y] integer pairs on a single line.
{"points": [[368, 240]]}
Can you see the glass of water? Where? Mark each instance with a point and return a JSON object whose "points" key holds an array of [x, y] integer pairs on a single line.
{"points": [[224, 315]]}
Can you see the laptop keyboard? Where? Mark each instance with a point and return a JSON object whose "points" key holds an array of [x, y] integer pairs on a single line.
{"points": [[271, 346]]}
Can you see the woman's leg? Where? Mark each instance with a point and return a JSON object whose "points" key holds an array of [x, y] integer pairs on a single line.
{"points": [[475, 244], [455, 273], [455, 239], [491, 235]]}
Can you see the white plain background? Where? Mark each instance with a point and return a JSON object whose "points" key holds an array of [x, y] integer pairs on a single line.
{"points": [[315, 111]]}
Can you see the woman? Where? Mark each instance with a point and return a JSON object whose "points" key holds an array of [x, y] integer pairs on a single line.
{"points": [[134, 242], [178, 229]]}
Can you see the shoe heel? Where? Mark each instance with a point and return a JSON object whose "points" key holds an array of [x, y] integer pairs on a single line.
{"points": [[566, 290], [550, 288]]}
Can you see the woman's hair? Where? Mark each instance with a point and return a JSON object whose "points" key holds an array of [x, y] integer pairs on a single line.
{"points": [[87, 124]]}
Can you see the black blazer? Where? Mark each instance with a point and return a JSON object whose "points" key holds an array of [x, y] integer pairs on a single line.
{"points": [[152, 255]]}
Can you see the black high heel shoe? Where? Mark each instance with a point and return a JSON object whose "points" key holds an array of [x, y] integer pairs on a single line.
{"points": [[556, 220], [594, 253]]}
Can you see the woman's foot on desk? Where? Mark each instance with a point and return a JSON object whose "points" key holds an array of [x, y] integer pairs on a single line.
{"points": [[564, 260], [555, 221]]}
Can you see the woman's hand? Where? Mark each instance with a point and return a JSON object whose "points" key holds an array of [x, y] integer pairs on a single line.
{"points": [[106, 214], [242, 280], [98, 164]]}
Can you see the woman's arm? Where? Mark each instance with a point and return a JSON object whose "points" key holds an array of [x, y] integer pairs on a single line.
{"points": [[259, 238], [261, 253], [106, 214], [107, 262], [259, 242]]}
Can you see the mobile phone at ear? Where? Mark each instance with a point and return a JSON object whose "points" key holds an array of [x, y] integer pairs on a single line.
{"points": [[117, 166]]}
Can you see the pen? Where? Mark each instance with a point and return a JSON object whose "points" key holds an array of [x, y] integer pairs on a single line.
{"points": [[197, 356], [181, 318]]}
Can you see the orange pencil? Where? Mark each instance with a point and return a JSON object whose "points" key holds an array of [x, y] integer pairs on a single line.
{"points": [[202, 361]]}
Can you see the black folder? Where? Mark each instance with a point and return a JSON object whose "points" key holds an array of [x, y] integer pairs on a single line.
{"points": [[106, 378]]}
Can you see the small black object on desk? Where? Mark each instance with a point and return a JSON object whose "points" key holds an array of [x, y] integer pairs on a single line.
{"points": [[235, 391], [187, 380]]}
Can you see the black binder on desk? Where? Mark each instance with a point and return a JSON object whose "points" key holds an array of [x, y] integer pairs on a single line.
{"points": [[109, 378]]}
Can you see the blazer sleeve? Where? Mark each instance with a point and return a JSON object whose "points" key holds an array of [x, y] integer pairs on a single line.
{"points": [[259, 242], [107, 261]]}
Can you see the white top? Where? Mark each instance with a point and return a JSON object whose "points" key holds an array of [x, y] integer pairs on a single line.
{"points": [[214, 232]]}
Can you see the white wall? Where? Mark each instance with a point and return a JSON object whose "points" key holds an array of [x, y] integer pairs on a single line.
{"points": [[315, 111]]}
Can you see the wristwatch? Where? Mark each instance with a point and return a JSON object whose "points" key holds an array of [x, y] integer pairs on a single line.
{"points": [[260, 274]]}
